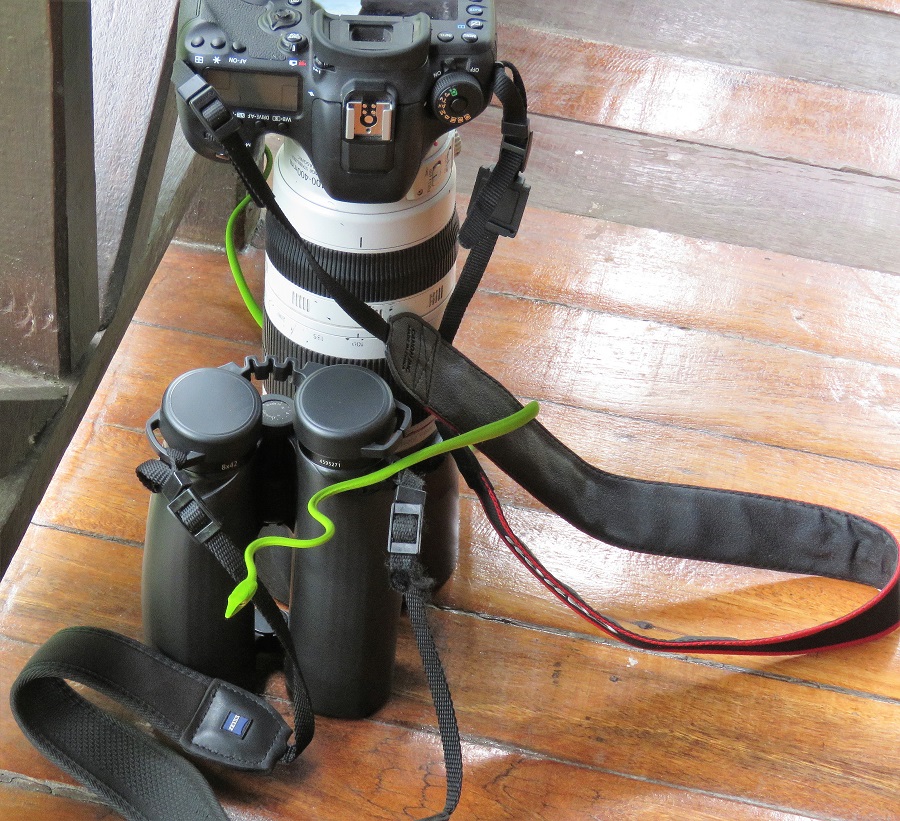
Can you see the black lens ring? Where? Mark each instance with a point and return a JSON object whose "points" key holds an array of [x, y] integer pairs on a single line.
{"points": [[372, 276]]}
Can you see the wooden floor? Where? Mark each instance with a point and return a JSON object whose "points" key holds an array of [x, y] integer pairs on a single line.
{"points": [[705, 290]]}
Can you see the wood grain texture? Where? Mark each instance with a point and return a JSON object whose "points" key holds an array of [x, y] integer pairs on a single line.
{"points": [[581, 684], [835, 44], [22, 801], [727, 106], [701, 191]]}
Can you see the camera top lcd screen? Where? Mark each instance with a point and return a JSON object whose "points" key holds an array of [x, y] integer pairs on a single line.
{"points": [[272, 92], [435, 9]]}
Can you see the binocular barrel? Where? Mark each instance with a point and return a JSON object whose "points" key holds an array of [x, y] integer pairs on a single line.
{"points": [[240, 450]]}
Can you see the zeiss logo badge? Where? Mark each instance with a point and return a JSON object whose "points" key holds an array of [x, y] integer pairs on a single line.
{"points": [[236, 724]]}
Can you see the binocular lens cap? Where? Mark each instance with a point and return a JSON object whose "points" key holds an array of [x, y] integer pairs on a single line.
{"points": [[211, 411], [341, 409]]}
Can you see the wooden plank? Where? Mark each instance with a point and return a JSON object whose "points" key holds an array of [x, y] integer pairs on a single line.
{"points": [[612, 268], [638, 369], [813, 41], [701, 191], [690, 283], [24, 800], [710, 103], [571, 675], [384, 771], [643, 370], [649, 716]]}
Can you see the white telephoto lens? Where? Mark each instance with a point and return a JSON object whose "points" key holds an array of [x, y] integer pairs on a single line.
{"points": [[398, 257]]}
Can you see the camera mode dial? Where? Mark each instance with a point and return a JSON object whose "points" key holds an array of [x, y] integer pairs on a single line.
{"points": [[456, 98]]}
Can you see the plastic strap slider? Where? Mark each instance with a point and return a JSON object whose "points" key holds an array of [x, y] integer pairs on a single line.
{"points": [[407, 517], [202, 530], [204, 102]]}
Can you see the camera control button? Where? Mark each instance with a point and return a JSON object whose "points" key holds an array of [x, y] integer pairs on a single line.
{"points": [[276, 19], [475, 24], [477, 11], [198, 41], [238, 46], [443, 36], [293, 42], [470, 37], [217, 42]]}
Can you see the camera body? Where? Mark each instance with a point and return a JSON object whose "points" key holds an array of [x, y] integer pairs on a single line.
{"points": [[365, 95], [254, 461]]}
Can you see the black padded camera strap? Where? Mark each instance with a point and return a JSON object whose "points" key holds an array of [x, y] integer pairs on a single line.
{"points": [[652, 517]]}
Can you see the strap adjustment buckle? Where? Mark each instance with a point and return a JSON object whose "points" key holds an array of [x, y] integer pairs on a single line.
{"points": [[203, 528], [204, 102], [520, 132], [507, 215], [407, 518]]}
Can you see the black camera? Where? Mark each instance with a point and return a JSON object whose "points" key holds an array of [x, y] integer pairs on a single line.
{"points": [[365, 94], [254, 461]]}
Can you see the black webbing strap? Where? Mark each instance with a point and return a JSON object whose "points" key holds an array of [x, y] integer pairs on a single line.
{"points": [[409, 578], [655, 517], [206, 105], [137, 775], [499, 197]]}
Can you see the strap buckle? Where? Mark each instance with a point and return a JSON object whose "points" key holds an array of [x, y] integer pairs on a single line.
{"points": [[204, 102], [507, 215], [407, 518], [519, 132], [207, 526]]}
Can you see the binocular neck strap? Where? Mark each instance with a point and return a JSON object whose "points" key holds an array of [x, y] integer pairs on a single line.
{"points": [[137, 775], [654, 517], [408, 578]]}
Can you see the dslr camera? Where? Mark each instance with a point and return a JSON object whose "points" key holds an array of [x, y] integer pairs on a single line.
{"points": [[368, 103], [366, 94]]}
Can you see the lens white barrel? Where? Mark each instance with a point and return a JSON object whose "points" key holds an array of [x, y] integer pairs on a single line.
{"points": [[364, 236]]}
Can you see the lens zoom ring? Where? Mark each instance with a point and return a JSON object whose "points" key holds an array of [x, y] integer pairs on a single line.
{"points": [[278, 345], [373, 276]]}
